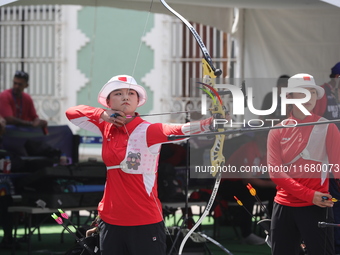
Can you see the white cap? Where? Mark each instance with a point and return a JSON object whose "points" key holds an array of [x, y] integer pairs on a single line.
{"points": [[121, 82], [303, 80]]}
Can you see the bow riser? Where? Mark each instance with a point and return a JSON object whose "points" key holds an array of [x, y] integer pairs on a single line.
{"points": [[217, 158]]}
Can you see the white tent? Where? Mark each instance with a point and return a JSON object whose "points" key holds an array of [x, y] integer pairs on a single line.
{"points": [[275, 36]]}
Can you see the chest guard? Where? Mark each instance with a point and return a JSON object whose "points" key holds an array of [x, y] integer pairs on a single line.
{"points": [[139, 158], [316, 147]]}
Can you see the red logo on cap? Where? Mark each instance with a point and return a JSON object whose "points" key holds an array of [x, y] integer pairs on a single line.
{"points": [[123, 78], [306, 78]]}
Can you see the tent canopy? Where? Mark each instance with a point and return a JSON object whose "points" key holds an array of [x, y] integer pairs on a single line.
{"points": [[275, 37], [179, 4], [199, 11]]}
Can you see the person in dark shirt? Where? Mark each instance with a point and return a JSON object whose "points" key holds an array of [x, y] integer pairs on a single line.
{"points": [[268, 99]]}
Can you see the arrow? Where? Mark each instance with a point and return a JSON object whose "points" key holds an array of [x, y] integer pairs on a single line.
{"points": [[115, 115], [252, 191], [65, 216], [333, 199], [59, 220], [239, 202]]}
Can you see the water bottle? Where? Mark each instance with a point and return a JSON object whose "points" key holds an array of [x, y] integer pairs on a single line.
{"points": [[7, 165], [63, 160]]}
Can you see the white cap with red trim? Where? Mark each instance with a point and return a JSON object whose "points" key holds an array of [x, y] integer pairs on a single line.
{"points": [[303, 80], [121, 82]]}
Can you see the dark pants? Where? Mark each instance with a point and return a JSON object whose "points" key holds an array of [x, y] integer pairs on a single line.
{"points": [[132, 240], [291, 225], [6, 220], [334, 189]]}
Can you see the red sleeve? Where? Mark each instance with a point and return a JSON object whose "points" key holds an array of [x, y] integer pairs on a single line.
{"points": [[158, 132], [86, 117], [281, 179], [333, 149], [31, 113], [6, 100]]}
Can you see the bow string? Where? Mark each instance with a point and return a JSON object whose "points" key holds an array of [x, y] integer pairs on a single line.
{"points": [[210, 73]]}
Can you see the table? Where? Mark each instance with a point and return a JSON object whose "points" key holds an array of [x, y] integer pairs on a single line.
{"points": [[181, 205], [29, 211]]}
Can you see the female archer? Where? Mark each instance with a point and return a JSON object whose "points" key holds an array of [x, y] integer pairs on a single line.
{"points": [[130, 211], [301, 158]]}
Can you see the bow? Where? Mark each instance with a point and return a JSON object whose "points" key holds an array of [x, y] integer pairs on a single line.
{"points": [[217, 110], [216, 156]]}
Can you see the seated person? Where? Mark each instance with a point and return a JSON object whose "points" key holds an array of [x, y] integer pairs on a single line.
{"points": [[282, 82], [252, 153], [17, 107]]}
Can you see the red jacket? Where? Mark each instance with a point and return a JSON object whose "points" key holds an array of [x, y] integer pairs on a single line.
{"points": [[297, 188], [125, 201]]}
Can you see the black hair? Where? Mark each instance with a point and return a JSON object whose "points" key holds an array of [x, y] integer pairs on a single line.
{"points": [[282, 79], [22, 75]]}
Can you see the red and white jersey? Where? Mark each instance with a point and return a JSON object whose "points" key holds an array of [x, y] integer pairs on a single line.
{"points": [[297, 187], [126, 201]]}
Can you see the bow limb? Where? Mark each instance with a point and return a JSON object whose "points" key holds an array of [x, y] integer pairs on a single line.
{"points": [[205, 213], [217, 159], [206, 55]]}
